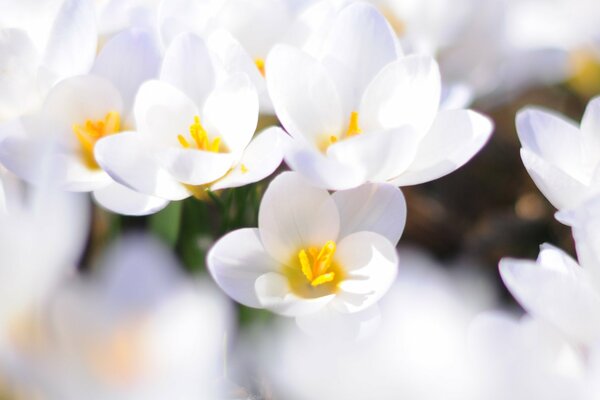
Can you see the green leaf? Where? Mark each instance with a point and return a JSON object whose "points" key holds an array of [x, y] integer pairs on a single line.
{"points": [[166, 224]]}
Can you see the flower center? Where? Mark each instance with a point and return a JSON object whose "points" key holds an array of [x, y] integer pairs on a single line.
{"points": [[313, 272], [352, 130], [200, 138], [260, 65], [92, 131], [315, 263]]}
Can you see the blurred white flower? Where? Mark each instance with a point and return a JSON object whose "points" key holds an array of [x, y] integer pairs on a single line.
{"points": [[41, 43], [362, 112], [136, 329], [556, 289], [56, 144], [195, 130], [324, 259], [523, 359], [114, 16], [561, 157], [42, 235], [247, 30]]}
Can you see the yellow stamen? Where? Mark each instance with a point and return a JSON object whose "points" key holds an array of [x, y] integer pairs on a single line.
{"points": [[328, 277], [585, 72], [315, 263], [353, 128], [260, 65], [92, 131], [305, 264], [200, 138], [244, 169]]}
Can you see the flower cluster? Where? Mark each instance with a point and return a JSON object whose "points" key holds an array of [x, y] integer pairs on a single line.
{"points": [[269, 141]]}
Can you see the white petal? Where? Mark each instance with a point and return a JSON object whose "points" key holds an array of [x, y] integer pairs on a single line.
{"points": [[553, 138], [179, 16], [188, 67], [590, 129], [260, 159], [19, 90], [584, 221], [330, 323], [359, 45], [303, 95], [68, 172], [381, 155], [373, 207], [231, 111], [323, 171], [127, 60], [455, 137], [561, 189], [371, 265], [236, 261], [78, 99], [557, 290], [233, 58], [120, 199], [274, 293], [128, 160], [195, 167], [72, 43], [405, 92], [162, 112], [294, 215], [21, 151]]}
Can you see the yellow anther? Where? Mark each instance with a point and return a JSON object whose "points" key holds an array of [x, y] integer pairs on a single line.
{"points": [[244, 168], [92, 131], [353, 128], [321, 279], [315, 263], [260, 65], [305, 265], [200, 138], [183, 141]]}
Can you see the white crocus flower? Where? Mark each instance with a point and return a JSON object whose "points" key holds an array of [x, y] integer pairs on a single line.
{"points": [[137, 328], [57, 143], [561, 157], [362, 112], [556, 289], [194, 131], [39, 45], [324, 259], [247, 30]]}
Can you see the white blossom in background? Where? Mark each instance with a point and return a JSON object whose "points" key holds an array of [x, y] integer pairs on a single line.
{"points": [[56, 144], [42, 235], [523, 359], [41, 44], [324, 259], [137, 328], [114, 16], [247, 31], [562, 157], [195, 129], [362, 112], [418, 352]]}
